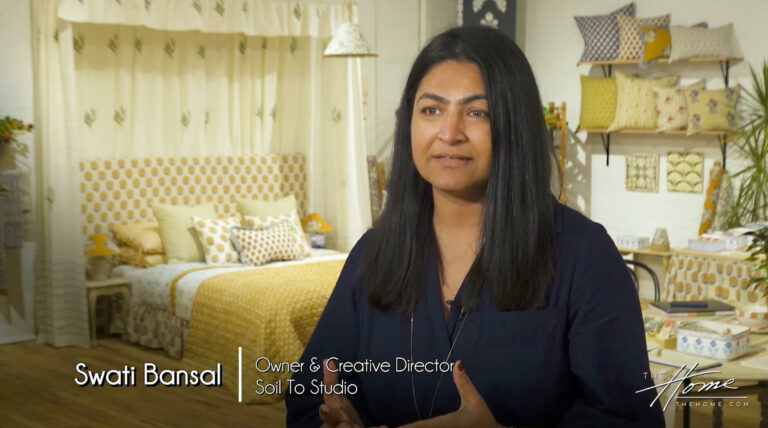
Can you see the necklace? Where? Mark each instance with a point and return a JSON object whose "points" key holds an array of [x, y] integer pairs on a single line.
{"points": [[440, 378]]}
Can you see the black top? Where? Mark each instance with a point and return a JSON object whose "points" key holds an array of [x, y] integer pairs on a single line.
{"points": [[577, 361]]}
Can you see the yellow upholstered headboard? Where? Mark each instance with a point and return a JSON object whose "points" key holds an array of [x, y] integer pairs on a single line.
{"points": [[123, 190]]}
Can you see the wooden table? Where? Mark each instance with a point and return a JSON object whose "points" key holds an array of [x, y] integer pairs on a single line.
{"points": [[665, 255], [107, 287]]}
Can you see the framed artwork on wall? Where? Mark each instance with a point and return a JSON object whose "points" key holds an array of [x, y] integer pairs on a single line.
{"points": [[499, 14]]}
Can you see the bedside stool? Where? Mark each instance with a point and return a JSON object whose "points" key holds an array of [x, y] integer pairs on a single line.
{"points": [[107, 287]]}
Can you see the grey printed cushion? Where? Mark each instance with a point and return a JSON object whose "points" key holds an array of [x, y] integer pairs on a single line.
{"points": [[700, 42], [601, 34], [259, 246]]}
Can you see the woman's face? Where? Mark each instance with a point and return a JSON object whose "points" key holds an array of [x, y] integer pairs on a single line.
{"points": [[451, 130]]}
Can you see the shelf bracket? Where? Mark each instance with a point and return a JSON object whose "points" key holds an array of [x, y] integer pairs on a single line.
{"points": [[725, 67], [610, 70], [606, 137], [723, 146]]}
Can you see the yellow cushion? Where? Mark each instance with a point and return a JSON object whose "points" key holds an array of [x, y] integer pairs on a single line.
{"points": [[672, 108], [305, 249], [132, 256], [630, 36], [635, 104], [259, 246], [656, 43], [598, 102], [712, 110], [178, 231], [214, 234], [144, 236], [252, 207]]}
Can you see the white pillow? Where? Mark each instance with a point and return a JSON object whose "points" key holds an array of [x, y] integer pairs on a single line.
{"points": [[695, 42]]}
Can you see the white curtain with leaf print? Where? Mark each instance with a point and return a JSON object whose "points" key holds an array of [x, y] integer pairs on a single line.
{"points": [[151, 78]]}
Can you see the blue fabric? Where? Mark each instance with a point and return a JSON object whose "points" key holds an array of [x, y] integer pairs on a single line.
{"points": [[577, 361], [601, 34]]}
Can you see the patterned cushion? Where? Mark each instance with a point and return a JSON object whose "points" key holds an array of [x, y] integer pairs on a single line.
{"points": [[214, 235], [700, 42], [712, 110], [601, 34], [132, 256], [672, 108], [305, 249], [259, 246], [657, 43], [635, 105], [144, 236], [598, 102], [630, 36]]}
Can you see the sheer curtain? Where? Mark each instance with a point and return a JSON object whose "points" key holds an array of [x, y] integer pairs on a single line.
{"points": [[144, 78]]}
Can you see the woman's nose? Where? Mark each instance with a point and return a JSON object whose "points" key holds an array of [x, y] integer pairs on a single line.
{"points": [[451, 129]]}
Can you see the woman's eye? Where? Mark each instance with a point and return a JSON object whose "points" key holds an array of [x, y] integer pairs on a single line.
{"points": [[430, 111], [478, 114]]}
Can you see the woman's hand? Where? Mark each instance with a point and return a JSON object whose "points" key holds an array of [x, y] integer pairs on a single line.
{"points": [[336, 410], [473, 412]]}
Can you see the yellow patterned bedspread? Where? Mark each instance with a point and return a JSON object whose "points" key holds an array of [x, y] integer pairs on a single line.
{"points": [[268, 312]]}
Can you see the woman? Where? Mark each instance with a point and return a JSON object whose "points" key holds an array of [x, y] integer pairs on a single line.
{"points": [[474, 263]]}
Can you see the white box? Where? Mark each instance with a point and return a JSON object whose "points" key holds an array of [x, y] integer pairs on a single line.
{"points": [[633, 242], [728, 341]]}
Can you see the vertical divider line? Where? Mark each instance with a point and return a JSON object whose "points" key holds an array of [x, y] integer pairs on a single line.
{"points": [[239, 374]]}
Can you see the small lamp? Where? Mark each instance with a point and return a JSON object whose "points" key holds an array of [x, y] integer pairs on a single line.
{"points": [[316, 227], [660, 241], [99, 263], [348, 41]]}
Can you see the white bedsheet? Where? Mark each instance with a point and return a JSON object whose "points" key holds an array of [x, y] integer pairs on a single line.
{"points": [[152, 286]]}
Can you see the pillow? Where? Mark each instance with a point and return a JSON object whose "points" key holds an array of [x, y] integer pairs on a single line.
{"points": [[713, 110], [132, 256], [254, 208], [214, 235], [657, 43], [672, 108], [305, 249], [635, 105], [631, 37], [598, 102], [601, 34], [143, 236], [259, 246], [178, 232], [700, 42]]}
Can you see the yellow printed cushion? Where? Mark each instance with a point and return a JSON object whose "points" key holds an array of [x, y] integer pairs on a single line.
{"points": [[305, 249], [214, 235], [132, 256], [254, 208], [635, 104], [259, 246], [178, 231], [631, 37], [672, 108], [144, 236], [712, 110], [598, 102], [656, 44]]}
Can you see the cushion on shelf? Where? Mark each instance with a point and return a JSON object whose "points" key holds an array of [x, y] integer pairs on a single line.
{"points": [[672, 107], [215, 237], [601, 34], [259, 246], [178, 231], [144, 236], [305, 249], [598, 102], [635, 104], [712, 110], [657, 43], [631, 36], [699, 42]]}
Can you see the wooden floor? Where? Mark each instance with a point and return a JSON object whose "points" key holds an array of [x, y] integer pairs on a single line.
{"points": [[37, 388]]}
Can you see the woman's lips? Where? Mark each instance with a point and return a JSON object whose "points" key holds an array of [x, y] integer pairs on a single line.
{"points": [[452, 160]]}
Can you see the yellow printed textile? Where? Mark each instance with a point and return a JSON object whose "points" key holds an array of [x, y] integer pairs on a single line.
{"points": [[270, 312]]}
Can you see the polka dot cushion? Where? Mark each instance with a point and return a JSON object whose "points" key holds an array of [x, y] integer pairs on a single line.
{"points": [[259, 246], [214, 235], [305, 249]]}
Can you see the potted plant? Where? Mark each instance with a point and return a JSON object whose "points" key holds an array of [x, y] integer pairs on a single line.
{"points": [[759, 253], [751, 202]]}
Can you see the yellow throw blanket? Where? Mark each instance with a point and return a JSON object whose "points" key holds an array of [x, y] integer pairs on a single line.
{"points": [[268, 312]]}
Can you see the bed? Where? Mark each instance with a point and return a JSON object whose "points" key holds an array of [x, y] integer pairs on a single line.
{"points": [[203, 313]]}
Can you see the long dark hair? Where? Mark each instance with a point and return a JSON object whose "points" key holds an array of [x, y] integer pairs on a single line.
{"points": [[517, 255]]}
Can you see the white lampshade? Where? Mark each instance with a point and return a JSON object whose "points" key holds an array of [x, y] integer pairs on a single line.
{"points": [[348, 41]]}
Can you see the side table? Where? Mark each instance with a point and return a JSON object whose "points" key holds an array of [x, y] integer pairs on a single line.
{"points": [[106, 287]]}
